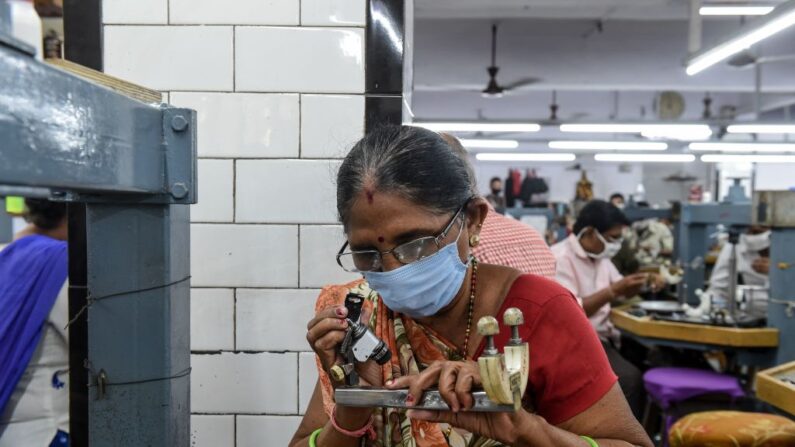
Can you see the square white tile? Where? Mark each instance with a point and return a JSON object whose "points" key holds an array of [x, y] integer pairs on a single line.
{"points": [[330, 124], [247, 125], [333, 12], [311, 60], [234, 12], [274, 320], [286, 191], [319, 247], [212, 319], [135, 11], [216, 202], [276, 430], [244, 255], [307, 379], [212, 430], [244, 383], [170, 57]]}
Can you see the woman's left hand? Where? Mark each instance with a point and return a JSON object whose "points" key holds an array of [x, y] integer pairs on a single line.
{"points": [[455, 381]]}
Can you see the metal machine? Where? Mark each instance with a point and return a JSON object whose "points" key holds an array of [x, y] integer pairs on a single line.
{"points": [[776, 209], [696, 222], [133, 165]]}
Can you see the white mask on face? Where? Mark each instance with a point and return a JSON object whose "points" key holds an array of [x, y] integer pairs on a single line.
{"points": [[610, 248], [757, 242]]}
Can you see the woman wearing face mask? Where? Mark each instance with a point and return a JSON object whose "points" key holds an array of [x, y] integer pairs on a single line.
{"points": [[585, 268], [404, 199]]}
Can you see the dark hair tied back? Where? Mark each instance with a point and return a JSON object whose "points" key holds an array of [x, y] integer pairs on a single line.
{"points": [[44, 213], [411, 162]]}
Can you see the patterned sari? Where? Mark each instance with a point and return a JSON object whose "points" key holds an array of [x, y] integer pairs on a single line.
{"points": [[413, 347]]}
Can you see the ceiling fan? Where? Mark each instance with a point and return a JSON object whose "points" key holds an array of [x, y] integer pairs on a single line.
{"points": [[493, 88]]}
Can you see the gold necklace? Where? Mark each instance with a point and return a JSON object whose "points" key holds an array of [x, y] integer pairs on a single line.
{"points": [[473, 287]]}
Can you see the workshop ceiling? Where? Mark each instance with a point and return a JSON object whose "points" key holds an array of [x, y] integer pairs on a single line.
{"points": [[585, 50]]}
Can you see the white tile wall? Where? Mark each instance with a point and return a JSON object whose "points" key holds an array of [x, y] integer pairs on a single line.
{"points": [[244, 255], [274, 320], [170, 57], [244, 383], [250, 125], [216, 202], [280, 81], [333, 12], [212, 325], [283, 59], [212, 430], [330, 124], [319, 247], [135, 11], [286, 191], [234, 12], [307, 379], [258, 431]]}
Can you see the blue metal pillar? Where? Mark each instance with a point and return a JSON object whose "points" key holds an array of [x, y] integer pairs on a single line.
{"points": [[140, 341], [781, 308]]}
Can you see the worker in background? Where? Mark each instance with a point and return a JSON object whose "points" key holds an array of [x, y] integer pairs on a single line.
{"points": [[34, 360], [584, 267], [753, 262], [506, 241], [495, 198], [617, 200]]}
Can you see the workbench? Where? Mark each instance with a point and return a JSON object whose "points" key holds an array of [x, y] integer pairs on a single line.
{"points": [[753, 345], [774, 386]]}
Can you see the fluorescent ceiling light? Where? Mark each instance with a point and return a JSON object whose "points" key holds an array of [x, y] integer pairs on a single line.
{"points": [[761, 128], [656, 158], [742, 147], [525, 157], [653, 130], [732, 10], [609, 145], [490, 144], [732, 158], [479, 127], [780, 19]]}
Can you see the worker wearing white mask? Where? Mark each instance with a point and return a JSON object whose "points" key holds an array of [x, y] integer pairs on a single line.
{"points": [[585, 268], [753, 262]]}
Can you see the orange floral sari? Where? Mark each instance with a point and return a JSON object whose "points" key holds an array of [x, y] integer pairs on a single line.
{"points": [[413, 347]]}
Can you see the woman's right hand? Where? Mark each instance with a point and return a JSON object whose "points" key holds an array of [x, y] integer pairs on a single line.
{"points": [[325, 333]]}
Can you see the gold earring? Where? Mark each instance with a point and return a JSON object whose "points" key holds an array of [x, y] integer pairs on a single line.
{"points": [[474, 240]]}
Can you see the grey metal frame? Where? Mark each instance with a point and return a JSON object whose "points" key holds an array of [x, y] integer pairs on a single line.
{"points": [[134, 165]]}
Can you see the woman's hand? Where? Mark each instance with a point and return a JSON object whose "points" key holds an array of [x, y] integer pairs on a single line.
{"points": [[325, 333], [455, 381]]}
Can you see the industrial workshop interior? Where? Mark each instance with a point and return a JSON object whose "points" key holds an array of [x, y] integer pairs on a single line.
{"points": [[397, 223]]}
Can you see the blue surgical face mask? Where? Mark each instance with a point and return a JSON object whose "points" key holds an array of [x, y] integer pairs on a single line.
{"points": [[422, 288]]}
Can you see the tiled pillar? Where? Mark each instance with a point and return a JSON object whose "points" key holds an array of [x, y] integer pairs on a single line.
{"points": [[282, 88]]}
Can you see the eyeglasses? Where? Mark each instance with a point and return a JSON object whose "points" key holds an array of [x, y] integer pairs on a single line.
{"points": [[413, 251]]}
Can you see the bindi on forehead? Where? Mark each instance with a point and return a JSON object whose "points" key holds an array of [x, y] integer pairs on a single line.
{"points": [[369, 195], [381, 239]]}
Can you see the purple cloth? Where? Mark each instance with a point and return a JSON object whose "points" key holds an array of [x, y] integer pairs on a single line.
{"points": [[667, 386], [32, 271], [671, 385]]}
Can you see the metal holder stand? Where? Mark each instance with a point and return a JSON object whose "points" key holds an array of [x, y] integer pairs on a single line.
{"points": [[504, 376]]}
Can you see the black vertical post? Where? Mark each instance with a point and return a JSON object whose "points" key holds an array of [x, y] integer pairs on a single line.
{"points": [[83, 45], [385, 49]]}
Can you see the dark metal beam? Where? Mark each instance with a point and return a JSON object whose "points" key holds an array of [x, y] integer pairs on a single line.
{"points": [[70, 134]]}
